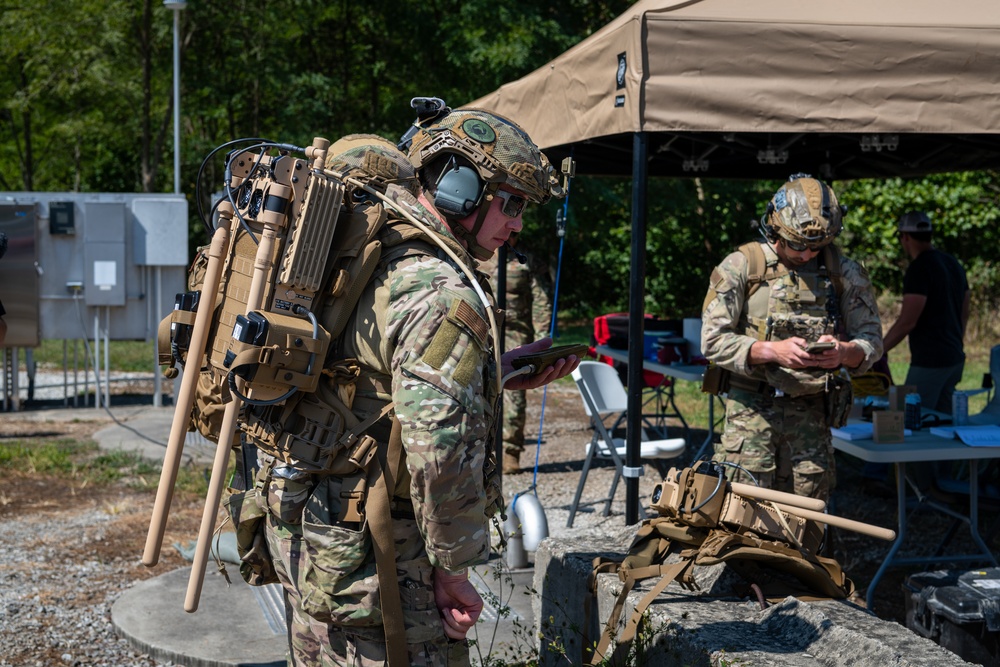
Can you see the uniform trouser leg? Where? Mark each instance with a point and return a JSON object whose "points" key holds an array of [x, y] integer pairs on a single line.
{"points": [[342, 635], [784, 443], [514, 407]]}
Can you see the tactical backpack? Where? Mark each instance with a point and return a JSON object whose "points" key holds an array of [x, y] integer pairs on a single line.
{"points": [[314, 227], [769, 538]]}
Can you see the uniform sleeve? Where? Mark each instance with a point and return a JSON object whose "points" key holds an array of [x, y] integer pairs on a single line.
{"points": [[440, 339], [860, 311], [725, 302]]}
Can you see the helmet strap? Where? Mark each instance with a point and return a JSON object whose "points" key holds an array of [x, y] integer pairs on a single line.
{"points": [[469, 236]]}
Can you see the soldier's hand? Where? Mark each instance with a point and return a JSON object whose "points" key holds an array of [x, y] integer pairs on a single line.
{"points": [[788, 353], [831, 358], [458, 602], [560, 368]]}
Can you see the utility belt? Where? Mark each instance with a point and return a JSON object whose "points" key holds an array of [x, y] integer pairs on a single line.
{"points": [[837, 396], [759, 387]]}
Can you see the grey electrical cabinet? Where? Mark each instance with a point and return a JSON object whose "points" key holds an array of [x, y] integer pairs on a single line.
{"points": [[104, 254], [19, 275], [107, 260]]}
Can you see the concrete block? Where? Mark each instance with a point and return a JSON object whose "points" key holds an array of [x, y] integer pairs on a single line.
{"points": [[710, 627]]}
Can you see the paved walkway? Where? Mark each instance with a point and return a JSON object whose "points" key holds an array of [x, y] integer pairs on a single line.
{"points": [[240, 624]]}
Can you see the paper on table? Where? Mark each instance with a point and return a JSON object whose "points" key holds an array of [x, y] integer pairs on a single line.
{"points": [[979, 436], [863, 431]]}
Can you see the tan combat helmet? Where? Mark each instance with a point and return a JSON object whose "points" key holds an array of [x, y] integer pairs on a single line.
{"points": [[499, 150], [483, 151], [805, 212]]}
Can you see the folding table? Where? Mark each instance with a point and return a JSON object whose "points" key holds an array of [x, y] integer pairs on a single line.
{"points": [[922, 446]]}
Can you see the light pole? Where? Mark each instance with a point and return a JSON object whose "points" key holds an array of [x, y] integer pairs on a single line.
{"points": [[177, 6]]}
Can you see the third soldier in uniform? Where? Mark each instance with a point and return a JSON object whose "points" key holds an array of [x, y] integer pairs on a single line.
{"points": [[767, 302], [528, 315]]}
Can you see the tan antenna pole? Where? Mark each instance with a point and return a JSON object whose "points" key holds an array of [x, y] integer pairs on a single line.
{"points": [[185, 397]]}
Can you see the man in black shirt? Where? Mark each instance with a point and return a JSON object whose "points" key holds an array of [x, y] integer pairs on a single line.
{"points": [[934, 314]]}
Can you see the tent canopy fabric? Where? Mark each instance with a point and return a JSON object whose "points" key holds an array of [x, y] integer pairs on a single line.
{"points": [[761, 88]]}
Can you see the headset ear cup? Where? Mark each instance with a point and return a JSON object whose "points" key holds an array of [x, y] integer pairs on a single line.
{"points": [[459, 190]]}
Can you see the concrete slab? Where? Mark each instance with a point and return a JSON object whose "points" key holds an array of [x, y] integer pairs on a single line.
{"points": [[228, 629], [505, 630]]}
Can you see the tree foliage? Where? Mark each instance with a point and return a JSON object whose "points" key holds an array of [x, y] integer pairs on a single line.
{"points": [[86, 105]]}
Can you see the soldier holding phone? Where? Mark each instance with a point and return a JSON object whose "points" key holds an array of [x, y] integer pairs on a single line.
{"points": [[781, 318]]}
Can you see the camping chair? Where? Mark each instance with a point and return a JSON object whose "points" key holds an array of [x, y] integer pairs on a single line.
{"points": [[991, 413], [604, 397]]}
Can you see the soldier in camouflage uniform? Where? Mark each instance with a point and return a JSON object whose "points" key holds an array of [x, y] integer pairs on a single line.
{"points": [[422, 339], [527, 318], [759, 316]]}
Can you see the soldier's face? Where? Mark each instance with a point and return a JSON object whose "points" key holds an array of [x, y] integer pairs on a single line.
{"points": [[793, 257], [499, 223]]}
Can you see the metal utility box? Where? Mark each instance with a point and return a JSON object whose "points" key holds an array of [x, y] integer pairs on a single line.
{"points": [[19, 277], [104, 254], [110, 259]]}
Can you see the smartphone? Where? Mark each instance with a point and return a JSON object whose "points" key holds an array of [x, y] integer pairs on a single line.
{"points": [[813, 348], [545, 358]]}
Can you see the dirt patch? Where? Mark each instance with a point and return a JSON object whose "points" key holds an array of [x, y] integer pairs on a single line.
{"points": [[54, 531]]}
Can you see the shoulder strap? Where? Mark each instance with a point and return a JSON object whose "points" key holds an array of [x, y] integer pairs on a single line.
{"points": [[377, 511], [669, 573], [759, 269], [831, 259]]}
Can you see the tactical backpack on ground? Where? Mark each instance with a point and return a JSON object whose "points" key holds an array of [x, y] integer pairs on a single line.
{"points": [[768, 537]]}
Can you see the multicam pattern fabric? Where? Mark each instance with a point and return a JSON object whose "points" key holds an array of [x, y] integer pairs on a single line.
{"points": [[784, 442], [421, 329], [371, 157], [527, 318], [795, 306]]}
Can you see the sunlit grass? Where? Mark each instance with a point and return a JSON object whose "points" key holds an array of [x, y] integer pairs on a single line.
{"points": [[131, 356], [83, 463]]}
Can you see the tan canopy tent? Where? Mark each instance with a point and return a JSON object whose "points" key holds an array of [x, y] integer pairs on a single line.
{"points": [[762, 89]]}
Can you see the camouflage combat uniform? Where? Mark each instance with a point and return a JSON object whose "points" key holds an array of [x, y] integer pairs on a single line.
{"points": [[422, 338], [527, 318], [776, 426]]}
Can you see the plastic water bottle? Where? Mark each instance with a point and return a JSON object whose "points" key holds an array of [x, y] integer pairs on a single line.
{"points": [[959, 408], [911, 412]]}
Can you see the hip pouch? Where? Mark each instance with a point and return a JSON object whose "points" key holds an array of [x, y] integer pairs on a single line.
{"points": [[256, 565], [838, 400], [715, 381]]}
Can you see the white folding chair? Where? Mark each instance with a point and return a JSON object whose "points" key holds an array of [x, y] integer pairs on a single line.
{"points": [[604, 397]]}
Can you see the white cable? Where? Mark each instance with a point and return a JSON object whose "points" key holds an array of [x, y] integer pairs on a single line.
{"points": [[494, 330]]}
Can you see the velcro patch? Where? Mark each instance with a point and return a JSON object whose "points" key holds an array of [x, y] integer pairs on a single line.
{"points": [[461, 316], [462, 313]]}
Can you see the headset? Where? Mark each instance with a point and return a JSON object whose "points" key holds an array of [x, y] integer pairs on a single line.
{"points": [[459, 190]]}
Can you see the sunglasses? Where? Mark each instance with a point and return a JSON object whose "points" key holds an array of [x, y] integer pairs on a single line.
{"points": [[799, 247], [513, 204]]}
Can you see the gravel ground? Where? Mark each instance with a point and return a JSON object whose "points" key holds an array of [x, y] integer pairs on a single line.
{"points": [[68, 550]]}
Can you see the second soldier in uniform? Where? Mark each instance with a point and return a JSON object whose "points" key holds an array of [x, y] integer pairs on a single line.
{"points": [[767, 302]]}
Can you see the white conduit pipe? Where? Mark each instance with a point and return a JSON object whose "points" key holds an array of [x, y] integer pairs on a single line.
{"points": [[526, 527]]}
